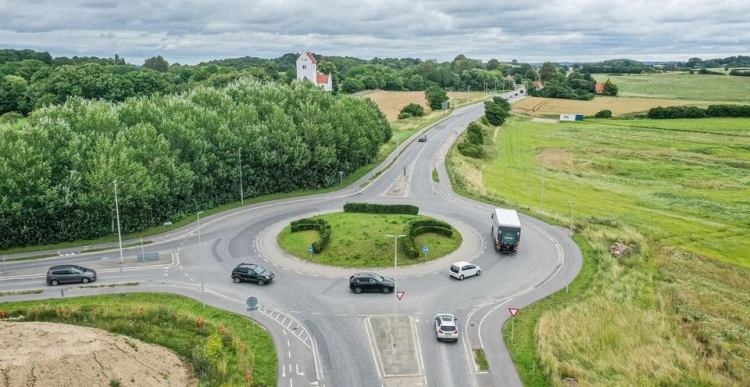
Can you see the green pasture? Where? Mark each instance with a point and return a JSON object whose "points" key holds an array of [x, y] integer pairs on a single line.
{"points": [[682, 85], [359, 240], [682, 182], [216, 357]]}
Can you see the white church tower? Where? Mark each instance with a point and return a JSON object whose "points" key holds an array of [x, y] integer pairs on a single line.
{"points": [[307, 69]]}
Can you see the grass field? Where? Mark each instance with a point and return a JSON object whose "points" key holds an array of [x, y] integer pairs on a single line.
{"points": [[359, 240], [682, 85], [170, 321], [675, 191], [536, 106], [391, 102]]}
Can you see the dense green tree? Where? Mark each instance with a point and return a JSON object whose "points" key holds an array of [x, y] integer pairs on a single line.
{"points": [[495, 113], [493, 64], [610, 88], [435, 96], [272, 69], [548, 71], [156, 63]]}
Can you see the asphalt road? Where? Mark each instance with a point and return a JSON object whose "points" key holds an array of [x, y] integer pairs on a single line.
{"points": [[324, 333]]}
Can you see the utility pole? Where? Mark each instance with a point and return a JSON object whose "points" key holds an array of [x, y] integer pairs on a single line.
{"points": [[242, 196], [541, 203], [119, 233]]}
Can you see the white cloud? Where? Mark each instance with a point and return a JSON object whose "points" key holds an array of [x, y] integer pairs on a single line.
{"points": [[532, 30]]}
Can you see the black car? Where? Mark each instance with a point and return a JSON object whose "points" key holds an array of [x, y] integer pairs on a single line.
{"points": [[251, 272], [371, 282], [66, 274]]}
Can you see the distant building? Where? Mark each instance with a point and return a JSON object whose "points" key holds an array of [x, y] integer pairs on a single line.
{"points": [[599, 88], [307, 70], [538, 85]]}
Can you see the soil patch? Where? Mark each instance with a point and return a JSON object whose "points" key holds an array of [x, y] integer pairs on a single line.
{"points": [[44, 354]]}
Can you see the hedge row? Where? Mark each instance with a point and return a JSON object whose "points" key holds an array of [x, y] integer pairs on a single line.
{"points": [[370, 208], [321, 225], [696, 112], [419, 227]]}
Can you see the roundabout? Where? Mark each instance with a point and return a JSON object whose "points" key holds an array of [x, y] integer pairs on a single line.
{"points": [[324, 333]]}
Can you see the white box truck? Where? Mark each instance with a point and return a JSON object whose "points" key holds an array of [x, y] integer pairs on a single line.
{"points": [[506, 230]]}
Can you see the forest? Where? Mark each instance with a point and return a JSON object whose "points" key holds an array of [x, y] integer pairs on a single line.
{"points": [[173, 155]]}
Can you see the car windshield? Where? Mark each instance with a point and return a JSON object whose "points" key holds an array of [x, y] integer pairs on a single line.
{"points": [[377, 278], [260, 270]]}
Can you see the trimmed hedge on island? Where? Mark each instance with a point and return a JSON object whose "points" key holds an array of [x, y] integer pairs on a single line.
{"points": [[419, 227], [371, 208], [323, 227]]}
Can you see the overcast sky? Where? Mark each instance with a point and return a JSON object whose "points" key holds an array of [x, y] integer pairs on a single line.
{"points": [[190, 32]]}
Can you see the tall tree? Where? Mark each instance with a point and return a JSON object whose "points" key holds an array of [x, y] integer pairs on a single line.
{"points": [[435, 96], [548, 71], [156, 63]]}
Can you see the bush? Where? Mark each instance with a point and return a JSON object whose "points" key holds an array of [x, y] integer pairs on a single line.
{"points": [[413, 109], [606, 113], [11, 117], [696, 112], [323, 227], [370, 208], [419, 227], [471, 150], [403, 116]]}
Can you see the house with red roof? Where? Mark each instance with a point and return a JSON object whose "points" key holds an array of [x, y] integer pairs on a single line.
{"points": [[538, 85], [599, 88], [307, 70]]}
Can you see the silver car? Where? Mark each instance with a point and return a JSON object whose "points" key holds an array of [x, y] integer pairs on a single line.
{"points": [[446, 327], [62, 274]]}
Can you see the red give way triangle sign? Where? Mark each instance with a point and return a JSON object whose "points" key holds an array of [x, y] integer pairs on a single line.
{"points": [[399, 295], [513, 311]]}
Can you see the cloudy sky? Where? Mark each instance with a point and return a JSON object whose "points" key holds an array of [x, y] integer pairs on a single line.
{"points": [[190, 32]]}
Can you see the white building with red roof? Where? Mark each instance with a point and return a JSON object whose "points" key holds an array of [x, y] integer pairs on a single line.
{"points": [[307, 69]]}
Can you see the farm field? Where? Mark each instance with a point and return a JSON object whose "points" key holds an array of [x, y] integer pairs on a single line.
{"points": [[618, 105], [674, 191], [682, 85], [391, 102], [684, 182]]}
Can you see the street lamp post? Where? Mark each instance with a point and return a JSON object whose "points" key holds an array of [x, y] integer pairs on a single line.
{"points": [[242, 195], [119, 233], [200, 255], [395, 281], [341, 179]]}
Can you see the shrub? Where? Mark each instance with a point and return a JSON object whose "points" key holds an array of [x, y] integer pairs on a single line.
{"points": [[419, 227], [323, 227], [413, 109], [471, 150], [11, 117], [371, 208], [403, 116], [606, 113]]}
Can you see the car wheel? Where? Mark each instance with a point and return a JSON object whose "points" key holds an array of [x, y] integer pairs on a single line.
{"points": [[386, 290], [261, 282], [357, 290], [54, 282], [461, 277], [479, 272], [237, 279], [85, 280]]}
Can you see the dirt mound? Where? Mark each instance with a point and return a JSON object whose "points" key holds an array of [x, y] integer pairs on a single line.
{"points": [[45, 355]]}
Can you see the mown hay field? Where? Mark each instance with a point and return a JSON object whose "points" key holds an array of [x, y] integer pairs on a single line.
{"points": [[682, 85], [391, 102], [619, 106]]}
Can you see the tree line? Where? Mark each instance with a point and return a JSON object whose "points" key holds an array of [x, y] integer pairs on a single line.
{"points": [[696, 112], [173, 155]]}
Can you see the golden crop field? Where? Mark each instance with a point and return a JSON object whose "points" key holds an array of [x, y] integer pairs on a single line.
{"points": [[391, 102], [618, 106]]}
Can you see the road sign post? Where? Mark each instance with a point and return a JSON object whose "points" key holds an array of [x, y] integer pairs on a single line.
{"points": [[310, 251], [425, 250], [252, 306], [513, 312]]}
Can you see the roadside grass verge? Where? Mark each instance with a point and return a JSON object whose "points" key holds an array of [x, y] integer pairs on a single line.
{"points": [[668, 312], [681, 85], [481, 360], [359, 240], [170, 321]]}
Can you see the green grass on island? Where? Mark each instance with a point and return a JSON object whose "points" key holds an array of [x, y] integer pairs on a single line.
{"points": [[216, 357], [359, 240]]}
